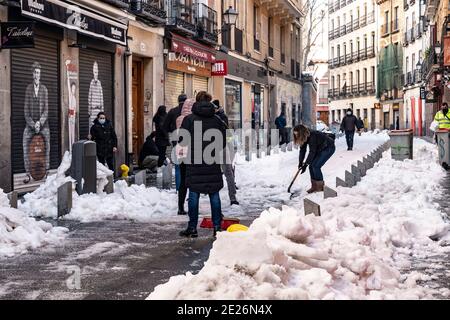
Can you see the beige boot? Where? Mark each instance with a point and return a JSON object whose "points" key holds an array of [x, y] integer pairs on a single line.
{"points": [[313, 186], [320, 185]]}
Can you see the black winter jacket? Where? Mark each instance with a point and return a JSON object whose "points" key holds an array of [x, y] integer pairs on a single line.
{"points": [[148, 149], [105, 138], [317, 142], [221, 114], [170, 123], [162, 137], [349, 123], [203, 178]]}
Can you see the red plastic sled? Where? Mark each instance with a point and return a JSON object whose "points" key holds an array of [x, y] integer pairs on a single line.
{"points": [[226, 222]]}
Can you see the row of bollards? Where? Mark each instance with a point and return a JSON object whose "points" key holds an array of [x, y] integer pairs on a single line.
{"points": [[351, 178]]}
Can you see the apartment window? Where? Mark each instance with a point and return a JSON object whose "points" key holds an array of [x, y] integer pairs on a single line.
{"points": [[332, 52], [413, 62], [373, 40], [407, 64], [386, 21], [351, 79], [413, 19], [365, 75], [407, 23], [351, 47], [339, 82], [395, 19], [373, 75], [256, 43], [270, 36], [365, 42], [333, 83], [282, 44], [357, 77]]}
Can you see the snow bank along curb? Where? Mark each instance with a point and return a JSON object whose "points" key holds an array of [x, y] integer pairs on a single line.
{"points": [[351, 179], [20, 233], [360, 248]]}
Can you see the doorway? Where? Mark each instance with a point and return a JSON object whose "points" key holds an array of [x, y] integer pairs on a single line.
{"points": [[137, 109]]}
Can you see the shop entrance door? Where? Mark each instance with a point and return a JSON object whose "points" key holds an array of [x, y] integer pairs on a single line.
{"points": [[137, 109]]}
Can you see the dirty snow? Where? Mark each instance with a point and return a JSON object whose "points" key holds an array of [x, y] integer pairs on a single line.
{"points": [[360, 248]]}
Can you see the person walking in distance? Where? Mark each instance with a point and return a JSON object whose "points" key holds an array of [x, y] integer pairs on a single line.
{"points": [[103, 134], [202, 174], [281, 124], [360, 125], [162, 138], [227, 166], [349, 126], [321, 148]]}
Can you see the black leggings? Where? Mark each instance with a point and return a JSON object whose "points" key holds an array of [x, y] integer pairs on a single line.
{"points": [[162, 155]]}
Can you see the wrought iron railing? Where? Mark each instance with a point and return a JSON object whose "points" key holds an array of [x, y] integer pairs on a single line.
{"points": [[181, 15], [125, 4], [149, 9], [206, 23]]}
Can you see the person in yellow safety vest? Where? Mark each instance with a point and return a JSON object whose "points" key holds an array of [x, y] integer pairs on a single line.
{"points": [[443, 117]]}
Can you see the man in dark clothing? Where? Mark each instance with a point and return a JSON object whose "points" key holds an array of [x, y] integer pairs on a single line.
{"points": [[103, 134], [281, 124], [148, 158], [162, 137], [349, 126], [200, 176], [360, 125]]}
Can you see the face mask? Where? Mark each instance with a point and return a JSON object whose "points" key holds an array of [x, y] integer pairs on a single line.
{"points": [[349, 113], [102, 121]]}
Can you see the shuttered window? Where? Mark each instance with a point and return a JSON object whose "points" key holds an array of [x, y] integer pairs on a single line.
{"points": [[96, 92], [199, 84], [174, 86], [35, 97]]}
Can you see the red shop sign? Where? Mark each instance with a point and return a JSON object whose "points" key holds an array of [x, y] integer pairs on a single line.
{"points": [[219, 68], [191, 48]]}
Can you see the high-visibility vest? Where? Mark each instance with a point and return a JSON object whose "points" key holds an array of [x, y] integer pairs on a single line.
{"points": [[444, 121]]}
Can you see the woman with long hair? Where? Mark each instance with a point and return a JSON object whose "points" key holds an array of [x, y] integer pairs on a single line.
{"points": [[321, 148]]}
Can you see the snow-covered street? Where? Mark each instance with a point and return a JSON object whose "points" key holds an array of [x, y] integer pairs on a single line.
{"points": [[371, 242]]}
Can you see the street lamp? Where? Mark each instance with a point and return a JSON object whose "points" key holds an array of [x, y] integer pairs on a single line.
{"points": [[230, 16]]}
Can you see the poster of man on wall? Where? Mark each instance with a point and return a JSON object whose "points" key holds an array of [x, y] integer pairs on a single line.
{"points": [[36, 135], [95, 98]]}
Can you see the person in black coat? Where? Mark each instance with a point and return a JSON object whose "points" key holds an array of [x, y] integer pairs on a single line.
{"points": [[162, 137], [202, 176], [321, 148], [103, 134], [349, 125], [360, 125], [149, 155]]}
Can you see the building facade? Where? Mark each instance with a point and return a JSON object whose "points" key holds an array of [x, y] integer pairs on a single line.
{"points": [[353, 48], [390, 64], [52, 90], [436, 60], [323, 110], [413, 43]]}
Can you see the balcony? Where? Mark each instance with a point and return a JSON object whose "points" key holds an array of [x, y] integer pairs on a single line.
{"points": [[124, 4], [408, 79], [412, 36], [419, 30], [149, 10], [385, 30], [338, 4], [181, 16], [353, 90], [206, 24], [430, 64], [406, 39]]}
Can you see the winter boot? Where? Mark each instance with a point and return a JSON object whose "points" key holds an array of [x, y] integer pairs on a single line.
{"points": [[217, 229], [319, 186], [189, 233], [313, 186]]}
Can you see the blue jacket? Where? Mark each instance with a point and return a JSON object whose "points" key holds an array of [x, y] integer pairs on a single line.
{"points": [[280, 122]]}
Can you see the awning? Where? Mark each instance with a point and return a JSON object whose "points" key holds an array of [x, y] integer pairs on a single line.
{"points": [[192, 48], [75, 18]]}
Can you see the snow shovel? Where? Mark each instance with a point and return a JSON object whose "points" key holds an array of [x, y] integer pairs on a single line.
{"points": [[294, 194]]}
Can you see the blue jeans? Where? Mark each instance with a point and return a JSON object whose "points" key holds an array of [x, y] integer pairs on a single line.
{"points": [[316, 165], [349, 136], [216, 209]]}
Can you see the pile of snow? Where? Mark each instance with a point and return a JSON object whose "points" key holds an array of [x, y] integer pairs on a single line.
{"points": [[134, 203], [19, 233], [360, 248]]}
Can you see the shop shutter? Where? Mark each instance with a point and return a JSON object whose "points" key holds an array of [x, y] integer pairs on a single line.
{"points": [[174, 86], [199, 84], [104, 60], [45, 53]]}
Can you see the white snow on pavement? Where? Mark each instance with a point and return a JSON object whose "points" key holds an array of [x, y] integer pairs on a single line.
{"points": [[20, 233], [360, 248]]}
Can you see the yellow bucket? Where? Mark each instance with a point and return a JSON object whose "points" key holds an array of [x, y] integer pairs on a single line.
{"points": [[237, 228], [125, 169]]}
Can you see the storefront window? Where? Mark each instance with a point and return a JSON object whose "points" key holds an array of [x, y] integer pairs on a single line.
{"points": [[257, 107], [233, 103]]}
